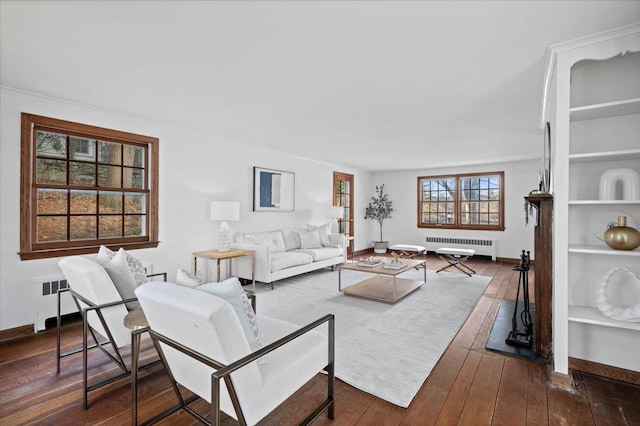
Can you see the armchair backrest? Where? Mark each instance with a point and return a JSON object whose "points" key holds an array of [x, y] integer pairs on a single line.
{"points": [[204, 323], [89, 279]]}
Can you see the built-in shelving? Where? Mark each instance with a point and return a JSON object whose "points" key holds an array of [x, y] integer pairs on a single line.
{"points": [[597, 132], [602, 250], [603, 202], [629, 154], [586, 315], [604, 110]]}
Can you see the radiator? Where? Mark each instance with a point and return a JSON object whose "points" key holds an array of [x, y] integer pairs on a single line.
{"points": [[482, 247], [47, 300]]}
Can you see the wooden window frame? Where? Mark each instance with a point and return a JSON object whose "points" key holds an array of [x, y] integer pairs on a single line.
{"points": [[457, 221], [30, 248]]}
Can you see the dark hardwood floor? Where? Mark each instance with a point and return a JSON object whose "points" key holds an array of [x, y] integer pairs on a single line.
{"points": [[468, 386]]}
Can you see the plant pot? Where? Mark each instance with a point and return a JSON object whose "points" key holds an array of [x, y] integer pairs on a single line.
{"points": [[380, 247]]}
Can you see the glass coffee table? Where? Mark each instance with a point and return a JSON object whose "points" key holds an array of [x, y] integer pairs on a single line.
{"points": [[384, 286]]}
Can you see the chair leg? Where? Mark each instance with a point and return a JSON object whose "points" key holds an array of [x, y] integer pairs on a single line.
{"points": [[59, 331], [85, 366], [331, 369]]}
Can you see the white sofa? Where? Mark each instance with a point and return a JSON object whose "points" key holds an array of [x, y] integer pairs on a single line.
{"points": [[287, 252]]}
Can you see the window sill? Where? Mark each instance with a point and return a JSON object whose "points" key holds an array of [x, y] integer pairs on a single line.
{"points": [[61, 252]]}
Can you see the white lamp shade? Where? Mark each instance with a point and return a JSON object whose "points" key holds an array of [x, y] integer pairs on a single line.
{"points": [[225, 210], [336, 212]]}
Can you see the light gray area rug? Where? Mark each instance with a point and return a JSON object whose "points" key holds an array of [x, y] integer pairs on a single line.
{"points": [[385, 350]]}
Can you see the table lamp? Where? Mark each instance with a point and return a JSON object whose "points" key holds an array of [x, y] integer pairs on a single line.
{"points": [[335, 213], [225, 211]]}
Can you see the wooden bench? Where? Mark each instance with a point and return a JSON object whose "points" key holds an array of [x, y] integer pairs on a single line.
{"points": [[456, 258], [407, 251]]}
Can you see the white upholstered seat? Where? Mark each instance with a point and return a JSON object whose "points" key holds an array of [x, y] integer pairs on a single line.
{"points": [[209, 346]]}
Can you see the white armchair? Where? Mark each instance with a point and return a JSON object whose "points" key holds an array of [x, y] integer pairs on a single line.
{"points": [[201, 341], [103, 311]]}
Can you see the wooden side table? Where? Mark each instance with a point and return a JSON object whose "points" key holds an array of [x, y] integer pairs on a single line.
{"points": [[227, 255]]}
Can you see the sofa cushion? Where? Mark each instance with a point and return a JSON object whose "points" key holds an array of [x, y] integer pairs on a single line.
{"points": [[291, 238], [256, 238], [285, 260], [322, 253], [275, 241], [310, 239]]}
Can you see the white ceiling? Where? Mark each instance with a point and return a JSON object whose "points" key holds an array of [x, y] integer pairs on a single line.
{"points": [[375, 85]]}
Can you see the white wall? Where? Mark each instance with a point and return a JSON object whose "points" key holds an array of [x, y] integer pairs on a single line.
{"points": [[520, 178], [195, 169]]}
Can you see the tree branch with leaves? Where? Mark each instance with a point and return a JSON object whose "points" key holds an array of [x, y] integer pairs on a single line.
{"points": [[380, 207]]}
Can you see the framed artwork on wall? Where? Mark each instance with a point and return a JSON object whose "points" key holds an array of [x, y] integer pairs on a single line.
{"points": [[273, 190]]}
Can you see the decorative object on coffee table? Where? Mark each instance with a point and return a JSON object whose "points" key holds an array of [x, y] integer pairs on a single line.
{"points": [[380, 208], [224, 211]]}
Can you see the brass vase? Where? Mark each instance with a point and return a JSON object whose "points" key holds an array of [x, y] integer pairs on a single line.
{"points": [[622, 237]]}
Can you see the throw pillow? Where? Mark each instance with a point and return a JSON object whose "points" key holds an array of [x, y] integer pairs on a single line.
{"points": [[137, 268], [186, 279], [324, 231], [122, 278], [291, 238], [104, 255], [231, 291], [309, 239]]}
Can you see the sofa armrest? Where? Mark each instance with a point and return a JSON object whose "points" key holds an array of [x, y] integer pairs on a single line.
{"points": [[262, 262]]}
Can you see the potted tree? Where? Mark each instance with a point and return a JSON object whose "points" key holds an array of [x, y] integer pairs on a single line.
{"points": [[379, 209]]}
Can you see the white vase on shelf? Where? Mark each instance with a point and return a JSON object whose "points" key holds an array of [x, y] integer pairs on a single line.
{"points": [[628, 178]]}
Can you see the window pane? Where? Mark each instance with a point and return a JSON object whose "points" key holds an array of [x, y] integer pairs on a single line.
{"points": [[110, 226], [82, 149], [134, 226], [494, 194], [82, 227], [134, 202], [133, 156], [50, 144], [52, 228], [464, 218], [84, 201], [110, 202], [82, 174], [52, 201], [109, 177], [109, 152], [51, 171], [133, 178]]}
